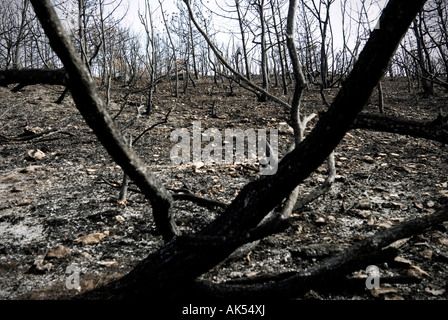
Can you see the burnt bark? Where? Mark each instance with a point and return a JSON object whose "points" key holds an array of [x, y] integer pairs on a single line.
{"points": [[436, 130], [330, 272], [27, 77]]}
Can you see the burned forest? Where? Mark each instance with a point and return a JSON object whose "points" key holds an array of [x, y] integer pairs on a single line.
{"points": [[299, 155]]}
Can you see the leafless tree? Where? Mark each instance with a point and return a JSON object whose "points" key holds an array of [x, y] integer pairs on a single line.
{"points": [[243, 37], [321, 11], [14, 27]]}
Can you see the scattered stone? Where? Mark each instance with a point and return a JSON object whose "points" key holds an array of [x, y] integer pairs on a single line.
{"points": [[385, 224], [320, 220], [427, 254], [363, 213], [236, 274], [442, 241], [59, 252], [87, 255], [443, 193], [364, 204], [417, 272], [285, 128], [120, 218], [397, 205], [435, 291], [198, 165], [430, 204], [92, 238], [368, 159], [36, 154], [419, 205]]}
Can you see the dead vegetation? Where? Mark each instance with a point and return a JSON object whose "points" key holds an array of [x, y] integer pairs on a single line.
{"points": [[48, 202], [369, 216]]}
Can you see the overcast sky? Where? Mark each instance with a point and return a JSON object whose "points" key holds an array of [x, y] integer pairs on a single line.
{"points": [[170, 6]]}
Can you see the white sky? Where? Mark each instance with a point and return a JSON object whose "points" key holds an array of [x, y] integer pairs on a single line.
{"points": [[132, 18]]}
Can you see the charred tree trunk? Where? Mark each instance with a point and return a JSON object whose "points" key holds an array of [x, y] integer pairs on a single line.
{"points": [[20, 37], [264, 55], [427, 84]]}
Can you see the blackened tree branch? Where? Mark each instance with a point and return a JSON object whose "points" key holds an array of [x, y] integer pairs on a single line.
{"points": [[436, 130], [26, 77], [332, 270]]}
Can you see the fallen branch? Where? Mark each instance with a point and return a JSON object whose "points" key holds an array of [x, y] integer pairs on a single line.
{"points": [[331, 271], [28, 137], [165, 120], [182, 194], [435, 130], [26, 77]]}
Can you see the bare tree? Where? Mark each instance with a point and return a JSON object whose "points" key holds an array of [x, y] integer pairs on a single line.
{"points": [[259, 5], [14, 27], [173, 48], [278, 26], [150, 52], [20, 36], [243, 37], [321, 11], [423, 56]]}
